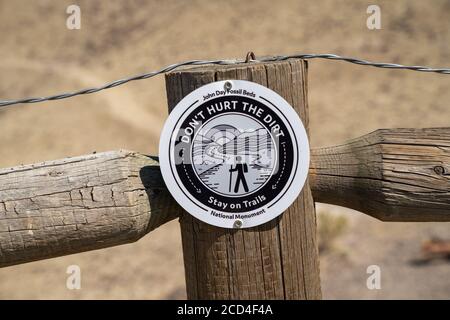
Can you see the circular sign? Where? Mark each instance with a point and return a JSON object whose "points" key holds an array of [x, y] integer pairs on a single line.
{"points": [[234, 154]]}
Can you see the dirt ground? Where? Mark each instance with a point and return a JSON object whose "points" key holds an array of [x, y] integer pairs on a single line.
{"points": [[41, 56]]}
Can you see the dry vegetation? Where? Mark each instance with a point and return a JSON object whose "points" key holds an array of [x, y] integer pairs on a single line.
{"points": [[329, 228]]}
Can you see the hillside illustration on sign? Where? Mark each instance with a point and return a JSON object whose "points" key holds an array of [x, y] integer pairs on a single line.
{"points": [[233, 159], [234, 154]]}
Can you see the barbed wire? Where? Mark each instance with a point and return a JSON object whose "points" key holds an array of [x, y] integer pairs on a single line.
{"points": [[116, 83]]}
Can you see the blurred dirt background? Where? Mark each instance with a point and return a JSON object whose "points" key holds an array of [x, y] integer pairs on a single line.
{"points": [[40, 56]]}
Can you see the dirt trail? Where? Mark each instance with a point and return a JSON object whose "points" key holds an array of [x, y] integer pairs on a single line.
{"points": [[120, 101]]}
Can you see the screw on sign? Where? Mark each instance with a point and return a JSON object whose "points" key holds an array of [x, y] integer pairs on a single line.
{"points": [[234, 154]]}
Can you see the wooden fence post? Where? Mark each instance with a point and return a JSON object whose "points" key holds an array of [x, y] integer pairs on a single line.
{"points": [[277, 260]]}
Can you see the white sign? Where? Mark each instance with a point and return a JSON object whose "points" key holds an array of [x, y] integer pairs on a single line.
{"points": [[234, 154]]}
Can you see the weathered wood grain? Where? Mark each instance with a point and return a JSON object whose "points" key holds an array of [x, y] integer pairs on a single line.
{"points": [[90, 202], [278, 260], [391, 174], [79, 204]]}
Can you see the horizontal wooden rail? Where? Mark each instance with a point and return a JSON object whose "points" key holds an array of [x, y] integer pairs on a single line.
{"points": [[390, 174], [78, 204]]}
